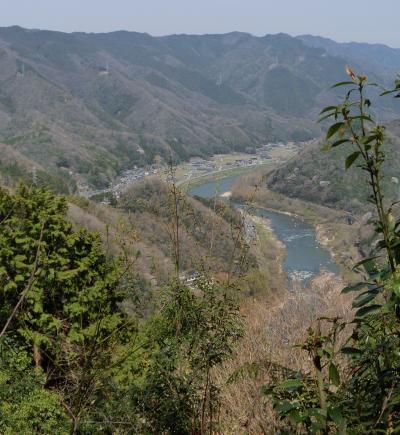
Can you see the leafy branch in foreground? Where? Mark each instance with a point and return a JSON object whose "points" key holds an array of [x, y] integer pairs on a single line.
{"points": [[354, 125], [356, 388]]}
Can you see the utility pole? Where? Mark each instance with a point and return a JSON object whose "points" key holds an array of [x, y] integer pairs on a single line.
{"points": [[34, 176]]}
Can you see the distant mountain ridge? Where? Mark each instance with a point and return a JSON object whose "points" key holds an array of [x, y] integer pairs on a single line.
{"points": [[95, 104], [379, 58]]}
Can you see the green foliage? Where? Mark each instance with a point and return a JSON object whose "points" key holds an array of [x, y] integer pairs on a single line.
{"points": [[317, 178], [191, 335], [82, 365], [61, 294], [308, 400], [12, 173], [33, 223], [25, 406]]}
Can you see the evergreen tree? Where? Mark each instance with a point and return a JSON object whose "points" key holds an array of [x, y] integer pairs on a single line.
{"points": [[59, 296]]}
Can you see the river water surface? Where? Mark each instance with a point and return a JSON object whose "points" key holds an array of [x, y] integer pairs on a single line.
{"points": [[305, 257]]}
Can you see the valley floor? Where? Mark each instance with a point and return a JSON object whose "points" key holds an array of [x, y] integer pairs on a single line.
{"points": [[197, 170]]}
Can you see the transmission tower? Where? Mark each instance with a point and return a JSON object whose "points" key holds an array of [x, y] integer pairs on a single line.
{"points": [[219, 81]]}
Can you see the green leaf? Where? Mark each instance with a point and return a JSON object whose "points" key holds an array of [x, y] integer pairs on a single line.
{"points": [[327, 109], [366, 310], [364, 118], [283, 407], [266, 390], [334, 374], [290, 384], [364, 298], [366, 261], [337, 417], [329, 115], [392, 91], [342, 84], [350, 350], [352, 158], [19, 278], [326, 147], [334, 128], [339, 142], [368, 139], [295, 417], [355, 287], [318, 413]]}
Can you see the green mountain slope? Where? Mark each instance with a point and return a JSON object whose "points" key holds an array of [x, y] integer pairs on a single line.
{"points": [[97, 104], [320, 177]]}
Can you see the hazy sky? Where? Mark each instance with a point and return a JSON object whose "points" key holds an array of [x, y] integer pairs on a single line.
{"points": [[342, 20]]}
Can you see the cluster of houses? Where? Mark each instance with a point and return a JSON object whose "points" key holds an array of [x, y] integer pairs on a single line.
{"points": [[196, 166], [131, 176], [126, 179]]}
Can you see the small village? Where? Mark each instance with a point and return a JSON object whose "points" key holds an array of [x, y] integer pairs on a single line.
{"points": [[195, 168]]}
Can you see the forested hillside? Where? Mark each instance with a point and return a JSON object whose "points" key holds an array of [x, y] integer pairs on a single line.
{"points": [[208, 235], [320, 176], [87, 106]]}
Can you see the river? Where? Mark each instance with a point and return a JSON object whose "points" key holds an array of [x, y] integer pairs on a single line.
{"points": [[305, 257]]}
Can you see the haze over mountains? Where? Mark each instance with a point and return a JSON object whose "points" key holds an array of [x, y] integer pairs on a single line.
{"points": [[95, 104], [379, 59]]}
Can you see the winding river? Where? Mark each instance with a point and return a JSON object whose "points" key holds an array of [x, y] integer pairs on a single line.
{"points": [[305, 257]]}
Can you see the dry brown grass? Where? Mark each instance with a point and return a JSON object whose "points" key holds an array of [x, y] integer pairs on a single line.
{"points": [[270, 335]]}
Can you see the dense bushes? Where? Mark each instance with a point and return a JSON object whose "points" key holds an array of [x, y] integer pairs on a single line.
{"points": [[60, 297], [25, 406], [189, 337], [84, 365]]}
